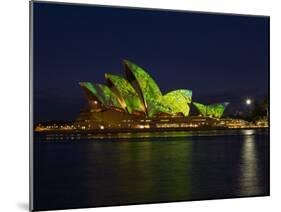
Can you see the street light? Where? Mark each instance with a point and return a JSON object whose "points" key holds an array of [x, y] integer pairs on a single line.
{"points": [[248, 101]]}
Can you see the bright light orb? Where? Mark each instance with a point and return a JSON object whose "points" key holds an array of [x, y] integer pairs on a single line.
{"points": [[248, 101]]}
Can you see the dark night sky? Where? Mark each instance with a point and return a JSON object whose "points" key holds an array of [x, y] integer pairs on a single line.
{"points": [[219, 57]]}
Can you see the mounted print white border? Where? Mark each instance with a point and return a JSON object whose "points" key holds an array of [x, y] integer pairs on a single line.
{"points": [[14, 146]]}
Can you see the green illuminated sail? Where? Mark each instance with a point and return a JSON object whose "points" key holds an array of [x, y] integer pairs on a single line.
{"points": [[149, 90], [178, 101], [103, 94], [213, 110], [127, 93], [139, 93], [158, 106], [88, 88]]}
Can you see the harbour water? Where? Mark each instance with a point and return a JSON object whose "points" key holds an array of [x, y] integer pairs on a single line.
{"points": [[90, 171]]}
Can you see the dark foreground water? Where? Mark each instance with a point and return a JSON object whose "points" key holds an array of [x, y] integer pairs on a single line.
{"points": [[75, 173]]}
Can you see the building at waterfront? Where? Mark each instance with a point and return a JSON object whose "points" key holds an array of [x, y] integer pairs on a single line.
{"points": [[136, 101], [136, 94]]}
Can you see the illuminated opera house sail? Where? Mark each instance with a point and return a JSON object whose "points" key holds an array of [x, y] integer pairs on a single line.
{"points": [[213, 110], [136, 97]]}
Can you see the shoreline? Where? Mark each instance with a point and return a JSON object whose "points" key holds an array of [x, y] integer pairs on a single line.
{"points": [[145, 130]]}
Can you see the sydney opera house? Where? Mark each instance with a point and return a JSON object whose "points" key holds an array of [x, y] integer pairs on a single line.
{"points": [[135, 101]]}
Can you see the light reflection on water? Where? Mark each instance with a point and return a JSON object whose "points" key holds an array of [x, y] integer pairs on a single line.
{"points": [[249, 132], [146, 171], [215, 164], [249, 182]]}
